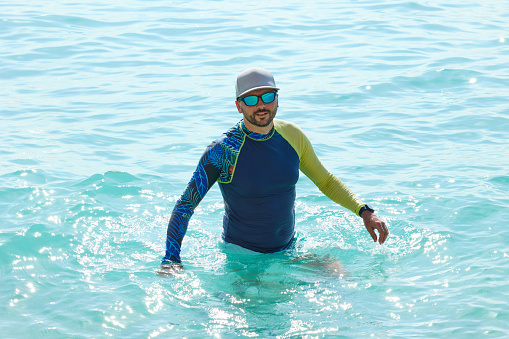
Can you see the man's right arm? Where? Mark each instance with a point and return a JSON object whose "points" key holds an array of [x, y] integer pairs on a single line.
{"points": [[203, 179]]}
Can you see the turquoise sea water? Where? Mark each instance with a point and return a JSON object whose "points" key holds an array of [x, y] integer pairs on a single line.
{"points": [[106, 106]]}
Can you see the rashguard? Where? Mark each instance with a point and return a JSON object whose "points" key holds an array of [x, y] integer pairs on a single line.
{"points": [[256, 174]]}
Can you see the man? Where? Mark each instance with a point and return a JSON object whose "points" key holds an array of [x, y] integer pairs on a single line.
{"points": [[256, 164]]}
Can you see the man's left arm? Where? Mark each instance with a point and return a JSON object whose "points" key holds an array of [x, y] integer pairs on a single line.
{"points": [[333, 187]]}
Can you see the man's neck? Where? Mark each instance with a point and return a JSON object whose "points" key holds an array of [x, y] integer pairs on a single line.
{"points": [[258, 129]]}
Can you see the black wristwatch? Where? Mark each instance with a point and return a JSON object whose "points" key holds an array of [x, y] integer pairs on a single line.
{"points": [[364, 208]]}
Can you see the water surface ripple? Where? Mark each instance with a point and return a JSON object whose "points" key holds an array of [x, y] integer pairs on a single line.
{"points": [[106, 108]]}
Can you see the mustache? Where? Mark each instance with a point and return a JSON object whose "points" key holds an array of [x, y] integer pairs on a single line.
{"points": [[262, 111]]}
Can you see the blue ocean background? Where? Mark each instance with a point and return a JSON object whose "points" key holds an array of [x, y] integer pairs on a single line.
{"points": [[106, 107]]}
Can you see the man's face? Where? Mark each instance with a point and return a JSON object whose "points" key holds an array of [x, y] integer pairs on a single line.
{"points": [[260, 115]]}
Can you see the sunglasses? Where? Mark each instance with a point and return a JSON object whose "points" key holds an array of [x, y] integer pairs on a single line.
{"points": [[252, 100]]}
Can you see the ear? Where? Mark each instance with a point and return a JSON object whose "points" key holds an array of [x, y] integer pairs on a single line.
{"points": [[238, 106]]}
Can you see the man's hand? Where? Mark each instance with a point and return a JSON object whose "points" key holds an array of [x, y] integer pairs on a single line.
{"points": [[170, 268], [372, 223]]}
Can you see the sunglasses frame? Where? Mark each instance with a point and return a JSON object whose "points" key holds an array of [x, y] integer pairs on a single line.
{"points": [[258, 97]]}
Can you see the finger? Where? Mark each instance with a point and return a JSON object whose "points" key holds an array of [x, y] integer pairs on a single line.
{"points": [[381, 233], [376, 226], [372, 233], [384, 232]]}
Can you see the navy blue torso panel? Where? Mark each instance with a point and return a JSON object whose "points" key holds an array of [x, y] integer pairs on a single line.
{"points": [[259, 199]]}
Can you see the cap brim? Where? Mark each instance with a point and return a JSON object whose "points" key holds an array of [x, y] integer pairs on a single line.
{"points": [[255, 88]]}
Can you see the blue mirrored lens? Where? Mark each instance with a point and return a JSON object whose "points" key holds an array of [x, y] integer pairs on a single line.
{"points": [[252, 100], [268, 97]]}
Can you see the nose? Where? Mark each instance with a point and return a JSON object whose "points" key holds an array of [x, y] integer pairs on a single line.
{"points": [[260, 103]]}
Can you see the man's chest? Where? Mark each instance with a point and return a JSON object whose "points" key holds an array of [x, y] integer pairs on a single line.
{"points": [[265, 167]]}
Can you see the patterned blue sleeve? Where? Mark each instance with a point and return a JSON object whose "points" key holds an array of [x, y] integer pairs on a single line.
{"points": [[206, 174], [216, 164]]}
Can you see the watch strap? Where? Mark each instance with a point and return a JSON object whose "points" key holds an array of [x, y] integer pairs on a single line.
{"points": [[364, 208]]}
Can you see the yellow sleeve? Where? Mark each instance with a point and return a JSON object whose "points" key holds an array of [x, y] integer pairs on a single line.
{"points": [[312, 167]]}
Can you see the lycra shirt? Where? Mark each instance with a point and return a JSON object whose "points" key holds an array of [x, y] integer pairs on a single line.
{"points": [[257, 175]]}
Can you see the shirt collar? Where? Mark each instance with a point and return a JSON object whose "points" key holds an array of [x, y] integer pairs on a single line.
{"points": [[256, 136]]}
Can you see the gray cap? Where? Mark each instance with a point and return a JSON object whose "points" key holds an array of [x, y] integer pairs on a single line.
{"points": [[254, 78]]}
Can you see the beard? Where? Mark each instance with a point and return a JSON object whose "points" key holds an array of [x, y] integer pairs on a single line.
{"points": [[263, 121]]}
